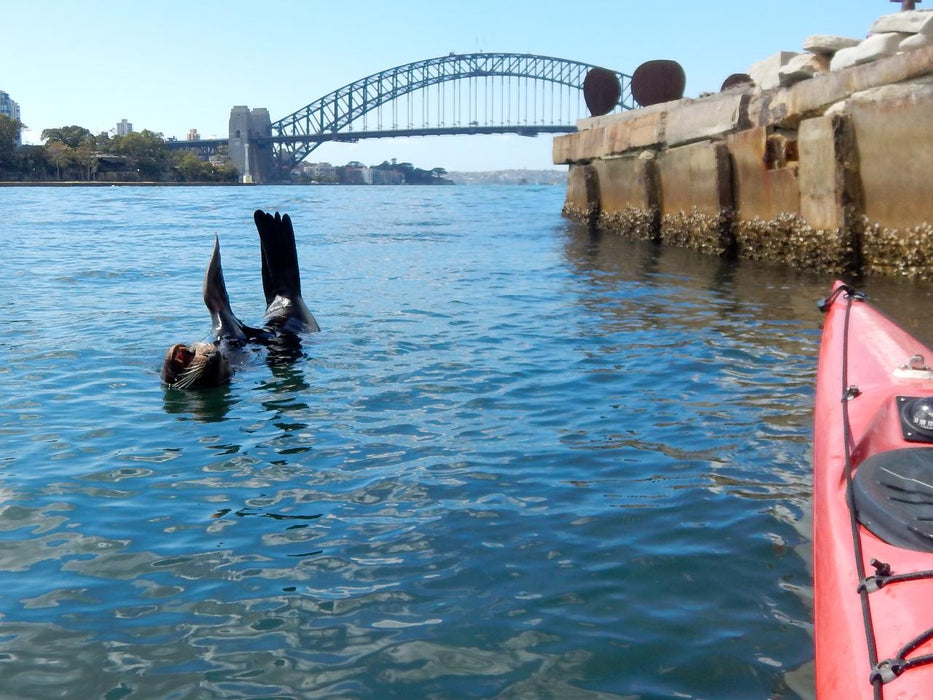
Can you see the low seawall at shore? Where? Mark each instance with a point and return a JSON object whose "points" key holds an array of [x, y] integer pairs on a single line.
{"points": [[830, 173]]}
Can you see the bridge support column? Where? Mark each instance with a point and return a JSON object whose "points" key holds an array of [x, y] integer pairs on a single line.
{"points": [[253, 158]]}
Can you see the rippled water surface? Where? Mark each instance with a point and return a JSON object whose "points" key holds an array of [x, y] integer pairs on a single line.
{"points": [[518, 461]]}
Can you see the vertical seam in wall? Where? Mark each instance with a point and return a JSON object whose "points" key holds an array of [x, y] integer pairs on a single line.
{"points": [[845, 147], [726, 223], [593, 197], [655, 198]]}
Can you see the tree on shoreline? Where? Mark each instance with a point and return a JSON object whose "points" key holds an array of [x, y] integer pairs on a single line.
{"points": [[74, 153], [9, 130], [71, 136], [85, 155], [60, 156]]}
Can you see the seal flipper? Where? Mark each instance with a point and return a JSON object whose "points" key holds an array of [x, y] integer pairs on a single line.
{"points": [[226, 326], [281, 280]]}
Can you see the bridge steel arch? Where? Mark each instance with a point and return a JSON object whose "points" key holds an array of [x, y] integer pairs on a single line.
{"points": [[331, 117]]}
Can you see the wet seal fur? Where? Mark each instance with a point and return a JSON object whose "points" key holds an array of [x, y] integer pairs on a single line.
{"points": [[207, 364]]}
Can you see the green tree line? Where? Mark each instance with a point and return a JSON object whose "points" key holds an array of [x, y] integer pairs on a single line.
{"points": [[74, 153], [413, 175]]}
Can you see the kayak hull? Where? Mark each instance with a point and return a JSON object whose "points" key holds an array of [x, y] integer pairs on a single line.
{"points": [[863, 349]]}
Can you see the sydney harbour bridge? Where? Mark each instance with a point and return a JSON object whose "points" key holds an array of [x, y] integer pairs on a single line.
{"points": [[475, 93]]}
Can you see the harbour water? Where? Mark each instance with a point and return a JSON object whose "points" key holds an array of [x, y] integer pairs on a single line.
{"points": [[519, 460]]}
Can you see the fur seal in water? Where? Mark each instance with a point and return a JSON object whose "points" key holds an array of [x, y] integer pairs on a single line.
{"points": [[207, 364]]}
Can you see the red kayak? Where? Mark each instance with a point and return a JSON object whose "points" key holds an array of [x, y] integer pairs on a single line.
{"points": [[872, 506]]}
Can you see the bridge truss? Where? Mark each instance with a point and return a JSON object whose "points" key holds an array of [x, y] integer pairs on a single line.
{"points": [[455, 94]]}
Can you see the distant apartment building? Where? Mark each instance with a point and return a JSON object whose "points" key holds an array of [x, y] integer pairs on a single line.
{"points": [[193, 135], [124, 128], [355, 173], [320, 171], [9, 108]]}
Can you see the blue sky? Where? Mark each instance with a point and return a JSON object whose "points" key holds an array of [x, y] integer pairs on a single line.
{"points": [[171, 65]]}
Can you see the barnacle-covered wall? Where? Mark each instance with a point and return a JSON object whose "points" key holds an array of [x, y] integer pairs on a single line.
{"points": [[833, 172]]}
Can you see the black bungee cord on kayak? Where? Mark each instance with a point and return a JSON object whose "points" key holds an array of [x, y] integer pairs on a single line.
{"points": [[826, 304], [887, 670], [849, 393]]}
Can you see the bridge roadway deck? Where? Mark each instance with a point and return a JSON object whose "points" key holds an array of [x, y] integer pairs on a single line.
{"points": [[352, 136]]}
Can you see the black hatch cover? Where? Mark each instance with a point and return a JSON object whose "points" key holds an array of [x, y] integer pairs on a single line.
{"points": [[893, 494]]}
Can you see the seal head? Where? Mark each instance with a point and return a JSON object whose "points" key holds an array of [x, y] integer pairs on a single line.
{"points": [[195, 366]]}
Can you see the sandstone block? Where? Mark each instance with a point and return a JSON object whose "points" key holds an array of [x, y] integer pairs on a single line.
{"points": [[916, 41], [578, 195], [894, 133], [802, 67], [765, 72], [627, 182], [696, 176], [582, 201], [616, 117], [874, 47], [639, 131], [580, 147], [694, 120], [787, 106], [696, 197], [820, 174], [910, 22], [593, 143], [827, 45], [761, 192], [610, 134], [561, 147], [566, 149]]}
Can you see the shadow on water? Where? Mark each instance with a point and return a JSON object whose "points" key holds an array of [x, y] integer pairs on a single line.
{"points": [[773, 290], [285, 350], [207, 405], [609, 258], [284, 389]]}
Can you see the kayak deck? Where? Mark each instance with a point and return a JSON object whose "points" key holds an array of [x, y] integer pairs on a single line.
{"points": [[873, 507]]}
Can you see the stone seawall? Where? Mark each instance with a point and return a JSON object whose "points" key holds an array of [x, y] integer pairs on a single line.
{"points": [[832, 173]]}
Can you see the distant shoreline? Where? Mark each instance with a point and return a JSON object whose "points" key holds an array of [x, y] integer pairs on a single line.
{"points": [[94, 183], [120, 183]]}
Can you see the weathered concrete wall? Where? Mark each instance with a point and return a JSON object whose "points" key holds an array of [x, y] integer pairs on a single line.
{"points": [[765, 177], [830, 173], [894, 132], [821, 172], [583, 196], [696, 196], [632, 208]]}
